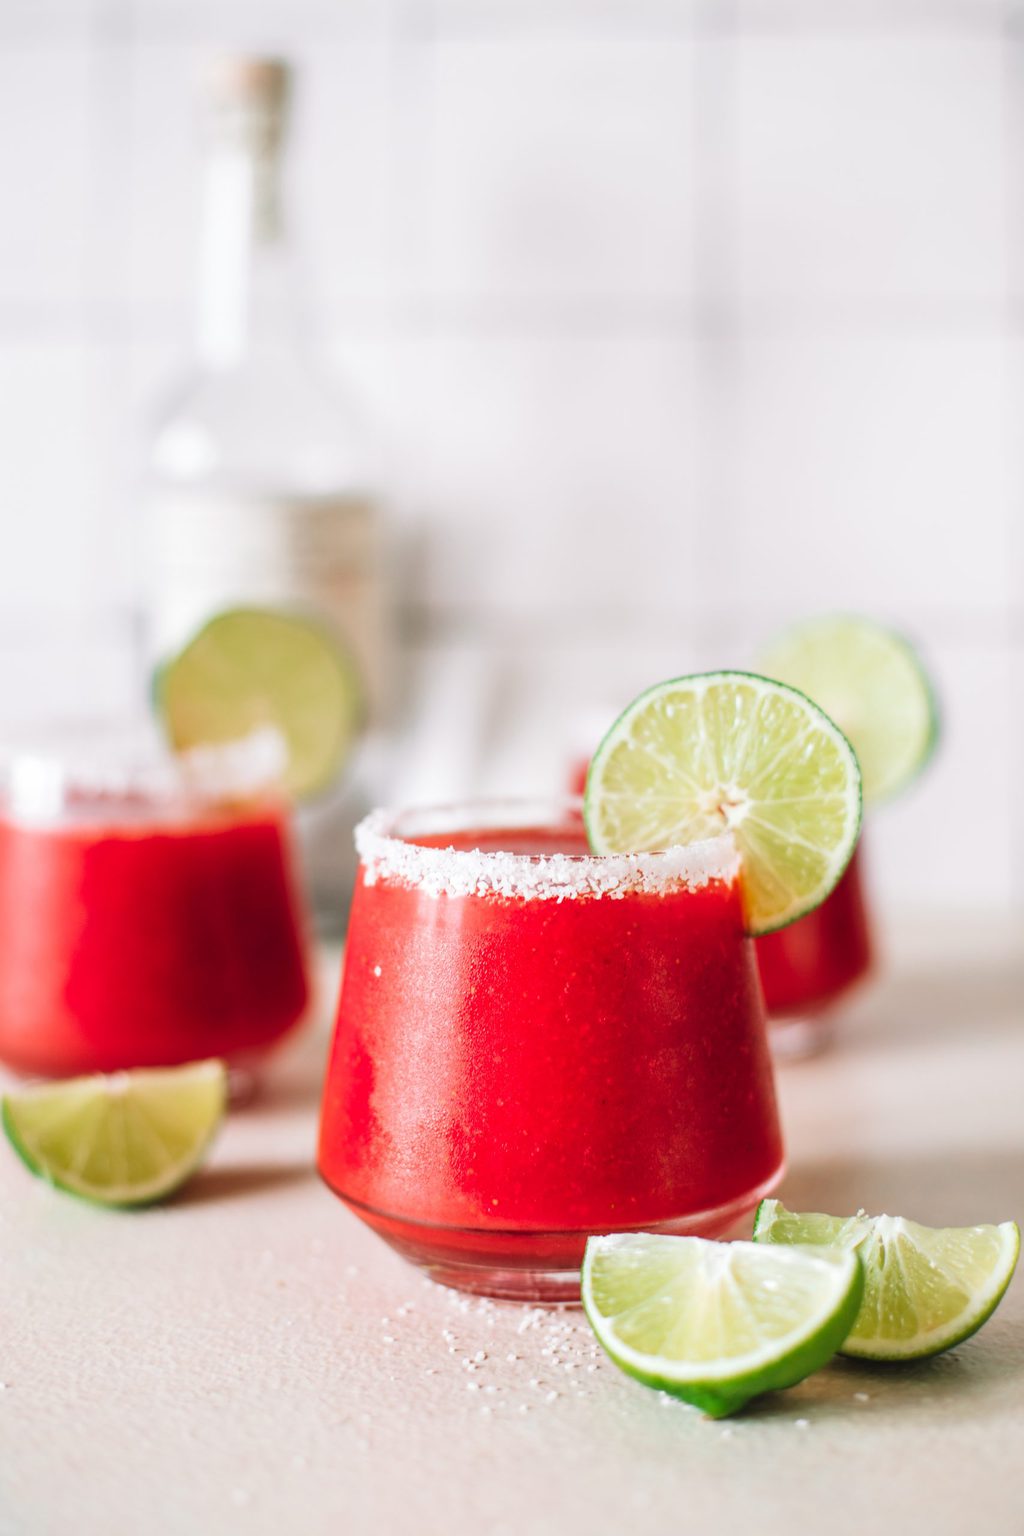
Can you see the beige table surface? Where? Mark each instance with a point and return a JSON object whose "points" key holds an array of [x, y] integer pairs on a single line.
{"points": [[249, 1359]]}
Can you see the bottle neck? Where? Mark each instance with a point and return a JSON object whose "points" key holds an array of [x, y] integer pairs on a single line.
{"points": [[245, 287]]}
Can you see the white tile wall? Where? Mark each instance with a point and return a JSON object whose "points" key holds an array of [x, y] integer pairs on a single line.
{"points": [[45, 170], [539, 460], [556, 167], [56, 538], [872, 472], [871, 168], [672, 318]]}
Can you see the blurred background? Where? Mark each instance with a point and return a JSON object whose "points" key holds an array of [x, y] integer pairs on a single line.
{"points": [[671, 322]]}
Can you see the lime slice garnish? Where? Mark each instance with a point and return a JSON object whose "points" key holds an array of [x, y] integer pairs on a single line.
{"points": [[925, 1288], [731, 752], [251, 668], [123, 1138], [713, 1323], [872, 684]]}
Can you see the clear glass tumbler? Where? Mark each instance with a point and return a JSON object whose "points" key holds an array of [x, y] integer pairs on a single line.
{"points": [[535, 1043], [148, 915], [808, 969]]}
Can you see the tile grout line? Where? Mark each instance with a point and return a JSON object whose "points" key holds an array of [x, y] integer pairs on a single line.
{"points": [[1013, 80], [716, 344]]}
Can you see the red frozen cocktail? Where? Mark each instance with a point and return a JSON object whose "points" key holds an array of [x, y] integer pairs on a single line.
{"points": [[809, 967], [535, 1043], [145, 929]]}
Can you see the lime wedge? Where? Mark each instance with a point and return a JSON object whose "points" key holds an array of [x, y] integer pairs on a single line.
{"points": [[124, 1138], [250, 668], [873, 686], [731, 752], [925, 1288], [712, 1323]]}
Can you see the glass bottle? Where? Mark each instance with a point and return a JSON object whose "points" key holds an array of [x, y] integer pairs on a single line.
{"points": [[260, 492]]}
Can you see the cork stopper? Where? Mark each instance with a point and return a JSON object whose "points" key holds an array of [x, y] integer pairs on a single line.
{"points": [[247, 96]]}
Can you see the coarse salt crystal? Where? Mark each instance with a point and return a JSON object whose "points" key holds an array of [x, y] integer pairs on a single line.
{"points": [[386, 855]]}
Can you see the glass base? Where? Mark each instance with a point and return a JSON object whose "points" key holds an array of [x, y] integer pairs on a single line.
{"points": [[794, 1037], [531, 1266]]}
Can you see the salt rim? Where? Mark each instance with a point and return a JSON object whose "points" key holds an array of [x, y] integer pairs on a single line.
{"points": [[384, 855], [37, 785]]}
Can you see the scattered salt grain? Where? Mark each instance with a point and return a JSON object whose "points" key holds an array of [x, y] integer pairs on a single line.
{"points": [[802, 1423], [858, 1397]]}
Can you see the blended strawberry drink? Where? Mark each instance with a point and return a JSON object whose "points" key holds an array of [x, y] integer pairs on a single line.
{"points": [[143, 924], [809, 968], [535, 1043]]}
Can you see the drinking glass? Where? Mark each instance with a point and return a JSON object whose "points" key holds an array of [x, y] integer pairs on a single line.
{"points": [[535, 1043], [148, 910], [808, 969]]}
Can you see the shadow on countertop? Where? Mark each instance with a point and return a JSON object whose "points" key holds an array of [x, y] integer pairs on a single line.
{"points": [[941, 1187], [238, 1181]]}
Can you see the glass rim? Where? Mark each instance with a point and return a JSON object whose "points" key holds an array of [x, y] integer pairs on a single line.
{"points": [[71, 770], [387, 852]]}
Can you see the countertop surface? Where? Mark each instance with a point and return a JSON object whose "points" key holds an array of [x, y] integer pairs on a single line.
{"points": [[250, 1359]]}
